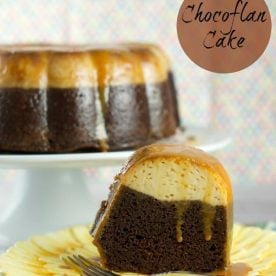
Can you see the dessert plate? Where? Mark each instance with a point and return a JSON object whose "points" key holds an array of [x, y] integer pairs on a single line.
{"points": [[207, 139], [253, 249]]}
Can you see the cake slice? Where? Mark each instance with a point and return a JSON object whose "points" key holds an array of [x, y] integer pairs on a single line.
{"points": [[169, 209]]}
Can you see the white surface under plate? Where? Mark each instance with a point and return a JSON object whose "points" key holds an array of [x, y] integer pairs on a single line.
{"points": [[207, 139]]}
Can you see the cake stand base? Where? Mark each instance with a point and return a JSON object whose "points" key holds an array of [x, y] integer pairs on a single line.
{"points": [[44, 200]]}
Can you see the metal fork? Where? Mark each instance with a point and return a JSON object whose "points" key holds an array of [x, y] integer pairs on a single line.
{"points": [[87, 267]]}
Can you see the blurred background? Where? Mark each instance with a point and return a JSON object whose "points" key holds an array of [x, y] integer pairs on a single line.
{"points": [[241, 104]]}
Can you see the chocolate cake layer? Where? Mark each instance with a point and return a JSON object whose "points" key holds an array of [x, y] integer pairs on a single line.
{"points": [[161, 110], [127, 116], [72, 119], [47, 121], [141, 235], [23, 120]]}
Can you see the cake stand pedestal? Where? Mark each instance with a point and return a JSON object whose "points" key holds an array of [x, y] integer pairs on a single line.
{"points": [[53, 191], [45, 200]]}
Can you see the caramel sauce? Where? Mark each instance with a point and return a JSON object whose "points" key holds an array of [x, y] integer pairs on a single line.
{"points": [[100, 101], [238, 269], [101, 58], [103, 145], [181, 207], [65, 66], [208, 214], [208, 211], [100, 124]]}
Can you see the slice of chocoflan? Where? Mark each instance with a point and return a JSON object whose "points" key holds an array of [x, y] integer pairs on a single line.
{"points": [[169, 209]]}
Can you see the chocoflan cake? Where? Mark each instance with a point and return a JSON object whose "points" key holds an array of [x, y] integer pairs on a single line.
{"points": [[74, 98], [169, 209]]}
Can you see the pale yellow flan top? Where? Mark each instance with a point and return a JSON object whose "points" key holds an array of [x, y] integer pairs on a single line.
{"points": [[65, 66]]}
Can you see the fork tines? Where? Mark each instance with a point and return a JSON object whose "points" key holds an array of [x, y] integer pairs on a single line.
{"points": [[87, 267]]}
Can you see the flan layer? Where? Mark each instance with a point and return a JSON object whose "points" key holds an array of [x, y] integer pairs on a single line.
{"points": [[74, 98], [43, 67], [181, 173], [178, 190]]}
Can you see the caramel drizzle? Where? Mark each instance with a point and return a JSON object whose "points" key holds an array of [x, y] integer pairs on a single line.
{"points": [[208, 211], [208, 214], [102, 80], [237, 269], [181, 208]]}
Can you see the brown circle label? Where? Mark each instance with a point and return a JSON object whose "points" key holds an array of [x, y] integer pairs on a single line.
{"points": [[224, 36]]}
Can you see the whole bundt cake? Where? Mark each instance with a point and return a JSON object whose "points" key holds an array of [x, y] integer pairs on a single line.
{"points": [[169, 209], [72, 98]]}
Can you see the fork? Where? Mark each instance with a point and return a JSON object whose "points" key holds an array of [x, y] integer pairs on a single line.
{"points": [[87, 267]]}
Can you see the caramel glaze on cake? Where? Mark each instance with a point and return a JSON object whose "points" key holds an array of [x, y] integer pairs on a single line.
{"points": [[169, 209], [72, 98]]}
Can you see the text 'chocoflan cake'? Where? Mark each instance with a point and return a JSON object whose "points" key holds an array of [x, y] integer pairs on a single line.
{"points": [[169, 209], [71, 98]]}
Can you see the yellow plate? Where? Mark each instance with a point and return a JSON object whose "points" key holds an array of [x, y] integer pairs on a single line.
{"points": [[43, 255]]}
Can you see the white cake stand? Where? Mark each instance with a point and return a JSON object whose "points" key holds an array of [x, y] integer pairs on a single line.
{"points": [[50, 191]]}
